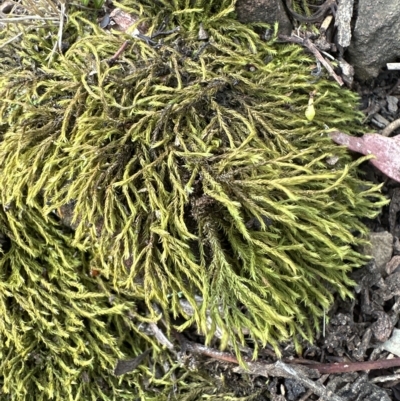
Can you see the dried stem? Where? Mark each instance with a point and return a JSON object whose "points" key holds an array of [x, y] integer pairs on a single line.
{"points": [[343, 367], [313, 49], [391, 127], [277, 369], [118, 53]]}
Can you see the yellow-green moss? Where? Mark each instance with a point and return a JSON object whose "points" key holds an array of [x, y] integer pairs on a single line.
{"points": [[183, 171]]}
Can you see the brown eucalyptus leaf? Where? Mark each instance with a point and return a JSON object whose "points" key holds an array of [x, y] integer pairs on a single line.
{"points": [[386, 150], [123, 21]]}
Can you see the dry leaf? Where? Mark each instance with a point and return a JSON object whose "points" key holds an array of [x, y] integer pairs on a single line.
{"points": [[386, 150], [392, 265], [124, 21], [126, 366]]}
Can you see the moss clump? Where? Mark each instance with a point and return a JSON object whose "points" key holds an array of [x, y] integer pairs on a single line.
{"points": [[188, 175]]}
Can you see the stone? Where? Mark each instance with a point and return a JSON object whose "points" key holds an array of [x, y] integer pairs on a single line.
{"points": [[393, 343], [392, 104], [376, 37], [380, 121], [269, 11], [343, 22], [381, 249]]}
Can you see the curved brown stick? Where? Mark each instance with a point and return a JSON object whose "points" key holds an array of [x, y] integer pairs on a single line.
{"points": [[356, 366], [391, 127]]}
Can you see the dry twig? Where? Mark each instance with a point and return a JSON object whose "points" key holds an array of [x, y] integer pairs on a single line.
{"points": [[277, 369], [391, 127], [382, 379], [343, 367], [115, 57], [309, 392], [306, 42], [60, 33], [27, 18]]}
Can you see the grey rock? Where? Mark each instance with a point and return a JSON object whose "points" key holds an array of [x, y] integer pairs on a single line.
{"points": [[380, 121], [381, 249], [347, 72], [393, 343], [343, 20], [376, 37], [269, 11], [392, 103]]}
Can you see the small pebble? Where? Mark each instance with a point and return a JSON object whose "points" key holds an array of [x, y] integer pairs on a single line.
{"points": [[392, 104], [379, 121]]}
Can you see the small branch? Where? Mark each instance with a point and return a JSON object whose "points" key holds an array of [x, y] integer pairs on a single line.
{"points": [[316, 387], [59, 35], [382, 379], [157, 332], [11, 40], [343, 367], [61, 27], [28, 18], [111, 61], [313, 49], [309, 392], [391, 127], [160, 336], [277, 369], [213, 353], [296, 372], [158, 33]]}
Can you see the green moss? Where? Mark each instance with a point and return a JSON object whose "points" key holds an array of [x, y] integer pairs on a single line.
{"points": [[182, 172]]}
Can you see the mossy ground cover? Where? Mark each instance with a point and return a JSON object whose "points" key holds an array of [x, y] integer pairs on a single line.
{"points": [[185, 170]]}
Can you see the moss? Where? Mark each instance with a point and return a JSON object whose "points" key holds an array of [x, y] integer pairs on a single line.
{"points": [[183, 172]]}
